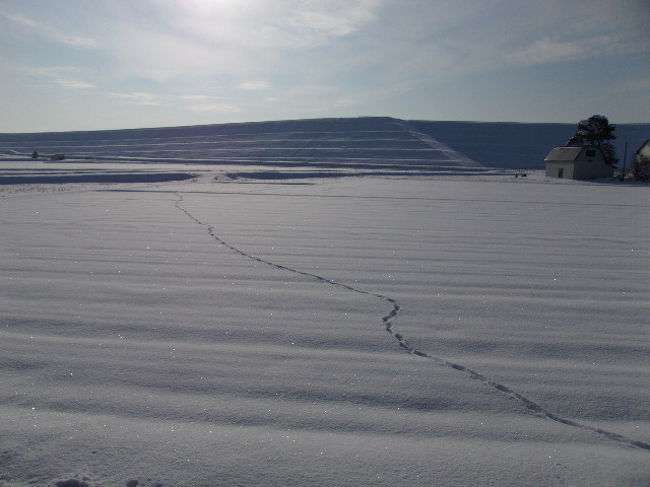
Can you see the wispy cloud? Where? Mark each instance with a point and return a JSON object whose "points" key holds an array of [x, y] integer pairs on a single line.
{"points": [[74, 41], [49, 31], [196, 98], [20, 19], [75, 84], [138, 98], [65, 76], [163, 56], [206, 103], [192, 103], [206, 60], [227, 39], [254, 85], [214, 107], [330, 19], [271, 24], [546, 50]]}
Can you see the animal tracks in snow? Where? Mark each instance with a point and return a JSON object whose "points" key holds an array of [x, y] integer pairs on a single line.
{"points": [[388, 320]]}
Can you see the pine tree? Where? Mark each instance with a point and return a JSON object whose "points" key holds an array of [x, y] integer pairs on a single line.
{"points": [[596, 131]]}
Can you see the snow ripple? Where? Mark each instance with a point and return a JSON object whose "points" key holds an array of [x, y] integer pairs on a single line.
{"points": [[529, 404], [403, 343]]}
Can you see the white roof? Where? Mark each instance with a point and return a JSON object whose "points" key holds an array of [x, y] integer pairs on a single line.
{"points": [[564, 153]]}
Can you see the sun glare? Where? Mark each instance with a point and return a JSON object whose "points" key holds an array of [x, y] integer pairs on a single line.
{"points": [[207, 6]]}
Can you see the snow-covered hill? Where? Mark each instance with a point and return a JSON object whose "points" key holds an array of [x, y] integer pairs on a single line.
{"points": [[354, 143], [351, 143], [521, 145]]}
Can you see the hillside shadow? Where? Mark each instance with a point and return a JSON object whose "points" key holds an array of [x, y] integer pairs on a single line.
{"points": [[95, 178]]}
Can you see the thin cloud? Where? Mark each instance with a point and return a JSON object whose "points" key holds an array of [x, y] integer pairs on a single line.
{"points": [[270, 24], [163, 56], [20, 19], [214, 107], [50, 32], [65, 76], [138, 98], [223, 41], [197, 103], [74, 41], [207, 103], [217, 60], [75, 84], [546, 50], [196, 98], [336, 18], [446, 40], [254, 85]]}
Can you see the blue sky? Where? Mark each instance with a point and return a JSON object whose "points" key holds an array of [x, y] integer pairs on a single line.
{"points": [[90, 64]]}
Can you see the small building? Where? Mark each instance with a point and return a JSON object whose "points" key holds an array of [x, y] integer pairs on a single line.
{"points": [[577, 162], [641, 168], [643, 153]]}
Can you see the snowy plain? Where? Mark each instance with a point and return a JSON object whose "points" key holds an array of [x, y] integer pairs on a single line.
{"points": [[379, 330]]}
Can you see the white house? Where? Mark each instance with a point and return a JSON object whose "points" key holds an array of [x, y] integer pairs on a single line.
{"points": [[643, 152], [582, 162], [641, 169]]}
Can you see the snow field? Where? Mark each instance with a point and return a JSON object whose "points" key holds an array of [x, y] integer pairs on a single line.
{"points": [[135, 345]]}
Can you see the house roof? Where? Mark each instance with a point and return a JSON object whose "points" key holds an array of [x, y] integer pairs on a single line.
{"points": [[645, 147], [564, 154]]}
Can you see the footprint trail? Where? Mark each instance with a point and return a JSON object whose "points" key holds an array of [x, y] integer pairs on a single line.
{"points": [[388, 319]]}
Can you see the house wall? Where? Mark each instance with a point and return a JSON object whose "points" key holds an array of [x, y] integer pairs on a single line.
{"points": [[592, 170], [644, 151], [583, 167], [591, 167], [553, 169]]}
